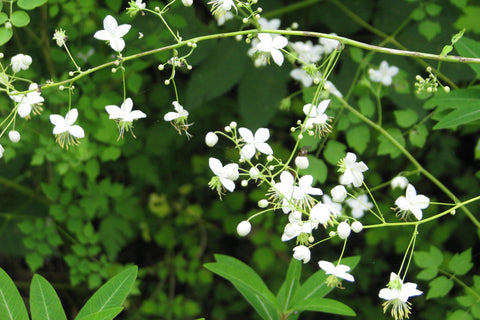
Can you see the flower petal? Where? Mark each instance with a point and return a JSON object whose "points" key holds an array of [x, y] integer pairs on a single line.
{"points": [[76, 131], [102, 35], [110, 24], [71, 116], [248, 151], [114, 112], [215, 165], [277, 56], [246, 135], [171, 116]]}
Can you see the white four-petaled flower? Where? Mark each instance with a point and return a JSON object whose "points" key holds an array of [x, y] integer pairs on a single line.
{"points": [[27, 101], [412, 202], [65, 131], [124, 113], [359, 205], [225, 175], [384, 74], [352, 170], [113, 33], [220, 7], [254, 143], [316, 115], [339, 271], [272, 45], [301, 253], [180, 112], [21, 62]]}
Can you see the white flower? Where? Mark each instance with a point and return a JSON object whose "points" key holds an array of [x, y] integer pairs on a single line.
{"points": [[339, 193], [283, 190], [273, 24], [66, 133], [301, 253], [302, 192], [272, 45], [14, 136], [316, 116], [2, 150], [336, 271], [253, 143], [113, 33], [301, 162], [124, 115], [21, 62], [384, 74], [335, 208], [224, 18], [28, 101], [357, 226], [254, 173], [399, 182], [220, 7], [187, 3], [180, 112], [244, 228], [304, 77], [352, 170], [320, 214], [412, 202], [359, 205], [330, 87], [59, 36], [224, 175], [397, 293], [211, 139], [307, 52], [343, 230], [142, 5], [296, 226], [329, 44]]}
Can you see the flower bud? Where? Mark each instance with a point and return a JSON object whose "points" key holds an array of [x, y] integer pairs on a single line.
{"points": [[343, 230], [301, 253], [446, 89], [233, 124], [244, 228], [254, 173], [269, 158], [211, 139], [301, 162], [228, 129], [357, 226], [187, 3], [399, 182], [339, 193], [14, 136], [263, 203], [244, 183]]}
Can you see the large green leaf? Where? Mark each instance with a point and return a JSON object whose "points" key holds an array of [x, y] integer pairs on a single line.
{"points": [[325, 305], [248, 283], [106, 314], [290, 285], [44, 301], [30, 4], [11, 303], [469, 48], [111, 294], [460, 116], [455, 99]]}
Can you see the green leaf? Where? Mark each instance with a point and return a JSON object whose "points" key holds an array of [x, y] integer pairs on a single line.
{"points": [[356, 54], [114, 232], [469, 19], [20, 18], [469, 48], [454, 99], [418, 135], [115, 5], [260, 93], [248, 283], [418, 14], [317, 169], [424, 259], [5, 35], [433, 9], [106, 314], [11, 303], [325, 305], [461, 263], [405, 118], [44, 301], [461, 115], [439, 287], [334, 151], [111, 294], [459, 3], [367, 106], [34, 260], [30, 4], [290, 285], [429, 29], [460, 315], [3, 17], [358, 138], [387, 147], [229, 59], [428, 273]]}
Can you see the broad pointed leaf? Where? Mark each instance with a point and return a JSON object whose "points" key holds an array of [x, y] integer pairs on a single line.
{"points": [[290, 285], [248, 283], [11, 303], [469, 48], [462, 115], [106, 314], [111, 294], [325, 305], [44, 301]]}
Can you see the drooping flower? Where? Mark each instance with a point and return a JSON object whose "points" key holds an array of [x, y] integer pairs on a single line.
{"points": [[359, 205], [301, 253], [330, 87], [60, 37], [272, 45], [335, 271], [113, 33], [296, 227], [28, 102], [66, 133], [283, 191], [304, 77], [179, 118], [343, 230], [244, 228], [339, 193], [262, 59], [334, 207], [329, 44], [224, 175], [352, 170], [412, 203], [307, 52], [384, 74], [220, 7], [124, 115], [397, 293], [399, 182], [21, 62], [224, 18], [302, 194], [320, 214], [317, 119], [14, 136], [254, 143], [211, 139]]}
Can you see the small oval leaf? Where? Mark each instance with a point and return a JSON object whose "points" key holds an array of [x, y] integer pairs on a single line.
{"points": [[20, 19]]}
